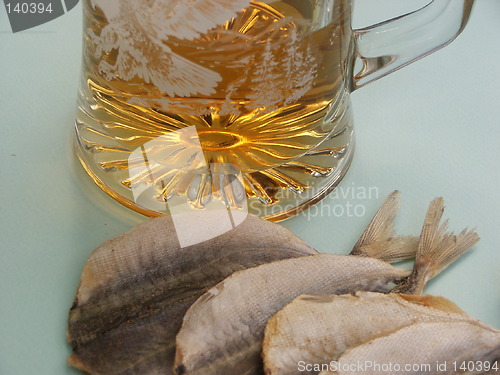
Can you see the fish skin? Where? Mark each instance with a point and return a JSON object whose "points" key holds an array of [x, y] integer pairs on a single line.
{"points": [[222, 332], [318, 329], [135, 289], [427, 344]]}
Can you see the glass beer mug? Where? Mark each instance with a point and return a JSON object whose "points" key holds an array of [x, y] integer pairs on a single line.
{"points": [[240, 104]]}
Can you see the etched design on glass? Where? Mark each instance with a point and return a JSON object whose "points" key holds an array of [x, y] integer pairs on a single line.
{"points": [[137, 30], [282, 80], [139, 33]]}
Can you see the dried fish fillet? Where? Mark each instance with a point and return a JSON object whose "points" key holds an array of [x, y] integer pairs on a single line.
{"points": [[314, 330], [135, 289], [222, 331], [426, 348]]}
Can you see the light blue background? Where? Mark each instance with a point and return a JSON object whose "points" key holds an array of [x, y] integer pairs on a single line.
{"points": [[430, 129]]}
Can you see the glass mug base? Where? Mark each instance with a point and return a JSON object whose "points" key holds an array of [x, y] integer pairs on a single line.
{"points": [[133, 178]]}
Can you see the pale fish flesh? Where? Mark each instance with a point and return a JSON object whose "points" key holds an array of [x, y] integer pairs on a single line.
{"points": [[434, 348], [314, 331], [222, 331]]}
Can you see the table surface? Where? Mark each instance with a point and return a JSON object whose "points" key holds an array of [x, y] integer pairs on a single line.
{"points": [[431, 129]]}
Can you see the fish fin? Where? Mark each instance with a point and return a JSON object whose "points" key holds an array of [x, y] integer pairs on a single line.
{"points": [[437, 249], [393, 250], [378, 240]]}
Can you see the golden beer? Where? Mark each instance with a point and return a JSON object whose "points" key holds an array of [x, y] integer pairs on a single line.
{"points": [[258, 85]]}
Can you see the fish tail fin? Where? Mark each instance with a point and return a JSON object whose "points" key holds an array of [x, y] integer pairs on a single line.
{"points": [[378, 240], [437, 249]]}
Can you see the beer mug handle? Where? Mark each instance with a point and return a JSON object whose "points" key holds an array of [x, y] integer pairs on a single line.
{"points": [[388, 46]]}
